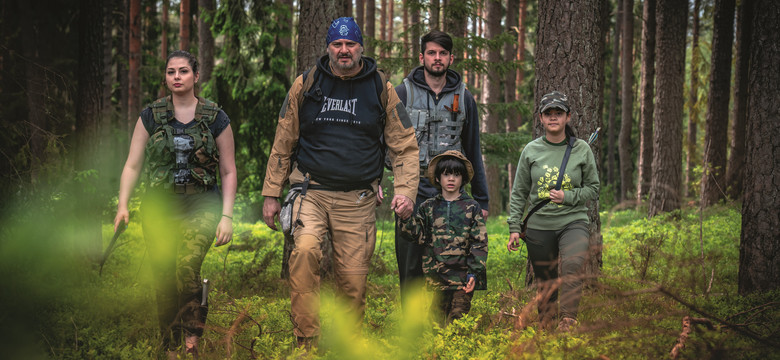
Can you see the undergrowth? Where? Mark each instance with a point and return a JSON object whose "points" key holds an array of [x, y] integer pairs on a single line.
{"points": [[656, 271]]}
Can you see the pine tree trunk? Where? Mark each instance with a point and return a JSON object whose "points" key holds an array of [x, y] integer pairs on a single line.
{"points": [[383, 26], [692, 157], [491, 96], [360, 11], [34, 88], [759, 263], [672, 16], [206, 39], [89, 108], [185, 18], [646, 102], [736, 164], [369, 30], [713, 184], [434, 12], [612, 129], [166, 11], [572, 49], [134, 76], [390, 23], [627, 101]]}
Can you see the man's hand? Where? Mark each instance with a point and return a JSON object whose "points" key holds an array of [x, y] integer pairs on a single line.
{"points": [[271, 210], [379, 196], [402, 205], [514, 242], [485, 214]]}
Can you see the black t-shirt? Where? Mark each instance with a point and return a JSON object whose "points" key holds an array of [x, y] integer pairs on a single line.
{"points": [[220, 123]]}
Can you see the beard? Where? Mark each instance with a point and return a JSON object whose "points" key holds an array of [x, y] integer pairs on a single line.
{"points": [[435, 73]]}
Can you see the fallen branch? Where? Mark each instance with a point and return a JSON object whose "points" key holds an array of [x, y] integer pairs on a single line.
{"points": [[687, 328]]}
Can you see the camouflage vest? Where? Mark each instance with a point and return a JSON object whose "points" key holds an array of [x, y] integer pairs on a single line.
{"points": [[182, 156], [438, 127]]}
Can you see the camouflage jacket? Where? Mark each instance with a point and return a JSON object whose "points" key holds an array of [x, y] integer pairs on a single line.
{"points": [[455, 239]]}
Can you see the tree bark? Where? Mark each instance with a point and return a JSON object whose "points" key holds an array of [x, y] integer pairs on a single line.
{"points": [[692, 157], [612, 129], [89, 108], [434, 11], [735, 172], [713, 183], [759, 249], [185, 18], [360, 10], [569, 59], [34, 88], [647, 88], [627, 101], [166, 11], [382, 26], [134, 76], [390, 23], [369, 32], [206, 39], [491, 96], [672, 16], [286, 41]]}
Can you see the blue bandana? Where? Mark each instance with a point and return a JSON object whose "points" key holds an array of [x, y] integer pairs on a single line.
{"points": [[344, 28]]}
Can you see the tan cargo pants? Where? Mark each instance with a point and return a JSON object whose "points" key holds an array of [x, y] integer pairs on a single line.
{"points": [[350, 219]]}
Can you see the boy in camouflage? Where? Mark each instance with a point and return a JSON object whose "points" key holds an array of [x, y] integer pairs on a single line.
{"points": [[452, 229]]}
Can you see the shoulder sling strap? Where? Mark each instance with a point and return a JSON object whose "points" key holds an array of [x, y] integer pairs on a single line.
{"points": [[524, 224]]}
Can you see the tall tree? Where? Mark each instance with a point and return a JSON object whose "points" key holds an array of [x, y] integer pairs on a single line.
{"points": [[383, 26], [185, 20], [390, 21], [759, 250], [491, 96], [713, 183], [416, 28], [735, 171], [672, 18], [206, 39], [434, 11], [166, 11], [456, 16], [134, 75], [369, 32], [613, 100], [692, 157], [35, 87], [89, 108], [627, 101], [311, 32], [360, 12], [647, 87], [122, 67], [569, 59], [510, 52]]}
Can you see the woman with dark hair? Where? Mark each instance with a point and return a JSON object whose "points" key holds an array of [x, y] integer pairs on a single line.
{"points": [[559, 227], [181, 140]]}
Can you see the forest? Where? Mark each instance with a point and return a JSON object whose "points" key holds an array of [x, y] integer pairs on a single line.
{"points": [[681, 97]]}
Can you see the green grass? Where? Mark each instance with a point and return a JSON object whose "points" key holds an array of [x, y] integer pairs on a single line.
{"points": [[64, 310]]}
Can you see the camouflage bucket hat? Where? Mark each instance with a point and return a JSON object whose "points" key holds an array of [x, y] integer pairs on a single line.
{"points": [[554, 100], [449, 153]]}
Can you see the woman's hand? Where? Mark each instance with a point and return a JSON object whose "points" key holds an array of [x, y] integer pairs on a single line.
{"points": [[224, 231], [556, 196], [514, 242], [122, 217]]}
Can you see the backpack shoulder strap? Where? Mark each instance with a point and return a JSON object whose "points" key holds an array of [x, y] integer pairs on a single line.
{"points": [[160, 109], [382, 88], [308, 81], [409, 91], [206, 111]]}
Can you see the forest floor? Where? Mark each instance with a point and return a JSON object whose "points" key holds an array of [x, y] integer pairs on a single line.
{"points": [[666, 283]]}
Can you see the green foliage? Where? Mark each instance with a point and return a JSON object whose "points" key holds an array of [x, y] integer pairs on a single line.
{"points": [[251, 84]]}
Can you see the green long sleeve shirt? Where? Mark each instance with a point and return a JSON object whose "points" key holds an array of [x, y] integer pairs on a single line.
{"points": [[537, 174]]}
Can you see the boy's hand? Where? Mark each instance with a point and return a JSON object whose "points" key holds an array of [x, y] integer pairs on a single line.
{"points": [[470, 285]]}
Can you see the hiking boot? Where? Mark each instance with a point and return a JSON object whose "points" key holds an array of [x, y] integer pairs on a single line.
{"points": [[567, 324], [307, 343]]}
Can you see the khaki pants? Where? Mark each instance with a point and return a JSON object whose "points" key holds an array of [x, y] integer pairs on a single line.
{"points": [[350, 219]]}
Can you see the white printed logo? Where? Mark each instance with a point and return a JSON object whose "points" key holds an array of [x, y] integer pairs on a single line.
{"points": [[343, 30]]}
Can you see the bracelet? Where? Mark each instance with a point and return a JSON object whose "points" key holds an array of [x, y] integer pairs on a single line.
{"points": [[227, 216]]}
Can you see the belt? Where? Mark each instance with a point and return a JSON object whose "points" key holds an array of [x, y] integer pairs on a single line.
{"points": [[188, 188]]}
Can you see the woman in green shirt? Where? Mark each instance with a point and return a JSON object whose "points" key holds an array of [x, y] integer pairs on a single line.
{"points": [[560, 227]]}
